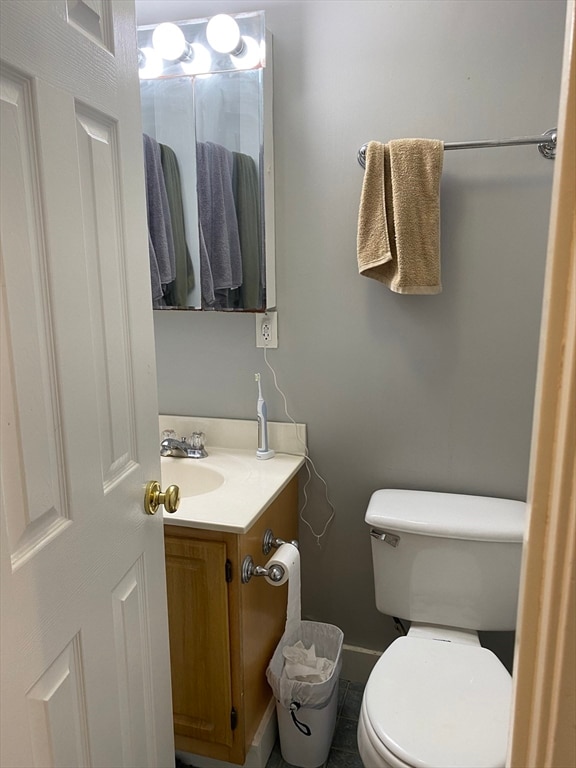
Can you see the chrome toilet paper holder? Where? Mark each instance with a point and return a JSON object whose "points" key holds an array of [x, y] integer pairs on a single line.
{"points": [[249, 569], [269, 541], [276, 572]]}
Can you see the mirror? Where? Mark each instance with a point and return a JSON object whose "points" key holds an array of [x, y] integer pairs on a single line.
{"points": [[207, 122]]}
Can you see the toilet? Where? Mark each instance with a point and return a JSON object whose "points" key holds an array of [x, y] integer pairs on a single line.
{"points": [[450, 565]]}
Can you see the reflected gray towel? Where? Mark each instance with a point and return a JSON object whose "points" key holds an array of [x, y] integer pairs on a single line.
{"points": [[159, 223], [247, 197], [157, 294], [184, 277], [206, 280], [218, 221]]}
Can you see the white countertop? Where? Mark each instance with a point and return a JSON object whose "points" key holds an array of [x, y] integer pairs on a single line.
{"points": [[247, 485]]}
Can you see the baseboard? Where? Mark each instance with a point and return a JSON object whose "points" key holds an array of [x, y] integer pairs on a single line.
{"points": [[259, 752], [357, 663]]}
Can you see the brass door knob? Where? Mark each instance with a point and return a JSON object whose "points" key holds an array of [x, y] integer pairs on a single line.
{"points": [[153, 497]]}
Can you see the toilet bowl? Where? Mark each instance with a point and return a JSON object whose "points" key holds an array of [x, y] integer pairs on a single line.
{"points": [[435, 703], [450, 564]]}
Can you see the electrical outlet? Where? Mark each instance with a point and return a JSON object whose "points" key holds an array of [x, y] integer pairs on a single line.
{"points": [[267, 330]]}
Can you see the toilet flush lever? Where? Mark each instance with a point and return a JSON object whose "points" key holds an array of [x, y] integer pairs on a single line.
{"points": [[389, 538]]}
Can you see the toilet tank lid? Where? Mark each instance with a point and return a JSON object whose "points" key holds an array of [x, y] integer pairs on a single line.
{"points": [[447, 515]]}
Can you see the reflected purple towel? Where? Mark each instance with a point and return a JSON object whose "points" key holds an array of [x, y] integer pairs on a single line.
{"points": [[220, 257]]}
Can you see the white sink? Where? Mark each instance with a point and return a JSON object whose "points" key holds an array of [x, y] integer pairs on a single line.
{"points": [[228, 490], [190, 476]]}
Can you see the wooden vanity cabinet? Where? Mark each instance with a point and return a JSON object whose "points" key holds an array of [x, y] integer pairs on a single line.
{"points": [[223, 632]]}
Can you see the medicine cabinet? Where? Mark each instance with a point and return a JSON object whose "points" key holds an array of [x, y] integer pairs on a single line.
{"points": [[207, 123]]}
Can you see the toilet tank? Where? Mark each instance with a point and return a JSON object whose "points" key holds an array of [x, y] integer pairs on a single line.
{"points": [[448, 558]]}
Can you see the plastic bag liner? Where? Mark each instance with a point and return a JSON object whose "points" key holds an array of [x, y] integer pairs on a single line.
{"points": [[328, 640]]}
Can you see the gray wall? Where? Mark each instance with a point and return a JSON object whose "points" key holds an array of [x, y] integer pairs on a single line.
{"points": [[425, 392]]}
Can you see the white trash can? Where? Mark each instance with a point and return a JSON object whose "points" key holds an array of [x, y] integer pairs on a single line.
{"points": [[307, 711]]}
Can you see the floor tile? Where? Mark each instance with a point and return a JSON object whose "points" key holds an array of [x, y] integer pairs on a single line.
{"points": [[342, 691], [357, 686], [352, 703], [339, 759], [345, 735], [275, 759]]}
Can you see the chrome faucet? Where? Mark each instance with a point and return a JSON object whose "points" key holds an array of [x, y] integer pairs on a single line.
{"points": [[186, 448]]}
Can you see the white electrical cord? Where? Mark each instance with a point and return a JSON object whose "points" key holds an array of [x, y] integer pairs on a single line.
{"points": [[307, 461]]}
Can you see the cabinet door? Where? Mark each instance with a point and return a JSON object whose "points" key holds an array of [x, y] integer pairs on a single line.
{"points": [[199, 639]]}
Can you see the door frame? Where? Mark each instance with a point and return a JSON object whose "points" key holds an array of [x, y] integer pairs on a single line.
{"points": [[544, 707]]}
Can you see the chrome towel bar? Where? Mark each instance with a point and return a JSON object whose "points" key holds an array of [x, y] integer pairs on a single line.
{"points": [[546, 145]]}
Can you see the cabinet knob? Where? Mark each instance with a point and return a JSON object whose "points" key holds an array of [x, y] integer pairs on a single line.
{"points": [[154, 497]]}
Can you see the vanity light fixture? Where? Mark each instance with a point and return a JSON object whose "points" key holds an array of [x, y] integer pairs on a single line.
{"points": [[222, 43], [223, 34], [169, 41]]}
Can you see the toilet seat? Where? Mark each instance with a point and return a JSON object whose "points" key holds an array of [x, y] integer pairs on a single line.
{"points": [[372, 751], [435, 703]]}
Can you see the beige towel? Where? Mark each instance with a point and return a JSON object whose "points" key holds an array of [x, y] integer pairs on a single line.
{"points": [[399, 218]]}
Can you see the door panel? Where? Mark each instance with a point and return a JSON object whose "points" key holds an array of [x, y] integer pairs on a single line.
{"points": [[57, 712], [35, 509], [105, 249], [93, 18], [133, 663]]}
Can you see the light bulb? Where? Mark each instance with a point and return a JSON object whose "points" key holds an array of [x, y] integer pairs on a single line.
{"points": [[150, 64], [199, 61], [250, 55], [169, 41], [223, 34]]}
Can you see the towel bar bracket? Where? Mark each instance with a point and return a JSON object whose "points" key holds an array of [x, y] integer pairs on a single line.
{"points": [[548, 148]]}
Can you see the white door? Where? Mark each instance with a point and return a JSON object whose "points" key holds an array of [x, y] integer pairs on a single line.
{"points": [[84, 643]]}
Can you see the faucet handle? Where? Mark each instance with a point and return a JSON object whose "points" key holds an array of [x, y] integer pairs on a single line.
{"points": [[196, 448], [168, 434], [197, 440]]}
